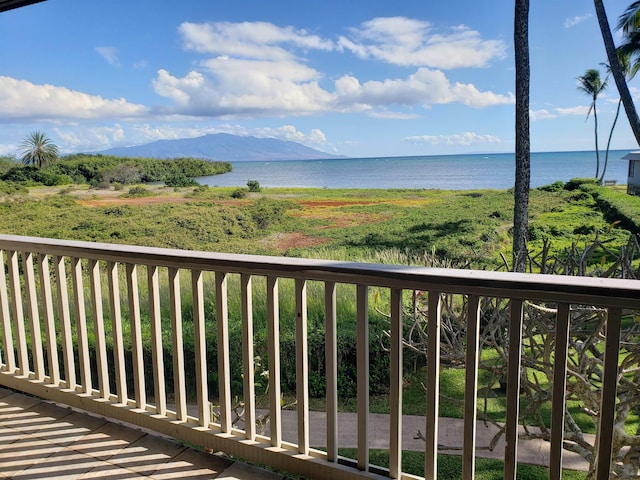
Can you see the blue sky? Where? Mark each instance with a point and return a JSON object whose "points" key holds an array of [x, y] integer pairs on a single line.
{"points": [[359, 79]]}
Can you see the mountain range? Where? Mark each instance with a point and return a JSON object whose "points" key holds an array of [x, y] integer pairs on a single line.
{"points": [[222, 147]]}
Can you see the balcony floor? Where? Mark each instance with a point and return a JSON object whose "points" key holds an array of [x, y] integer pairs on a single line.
{"points": [[41, 440]]}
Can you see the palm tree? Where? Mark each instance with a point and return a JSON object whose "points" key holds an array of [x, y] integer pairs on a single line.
{"points": [[38, 150], [614, 62], [591, 84], [523, 145], [629, 72]]}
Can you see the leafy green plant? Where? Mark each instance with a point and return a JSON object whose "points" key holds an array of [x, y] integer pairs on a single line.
{"points": [[254, 186]]}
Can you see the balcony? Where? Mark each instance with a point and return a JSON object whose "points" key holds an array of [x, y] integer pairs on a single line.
{"points": [[69, 308]]}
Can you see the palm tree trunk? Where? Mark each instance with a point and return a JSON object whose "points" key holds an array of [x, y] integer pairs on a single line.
{"points": [[606, 154], [595, 134], [616, 70], [522, 146]]}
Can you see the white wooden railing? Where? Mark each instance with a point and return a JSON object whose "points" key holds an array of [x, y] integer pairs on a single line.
{"points": [[45, 345]]}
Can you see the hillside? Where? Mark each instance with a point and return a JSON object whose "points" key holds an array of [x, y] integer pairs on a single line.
{"points": [[222, 147]]}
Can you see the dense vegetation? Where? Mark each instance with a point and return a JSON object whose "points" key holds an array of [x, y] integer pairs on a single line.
{"points": [[105, 169]]}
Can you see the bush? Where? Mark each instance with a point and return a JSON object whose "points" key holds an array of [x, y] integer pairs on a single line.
{"points": [[239, 193], [180, 180], [553, 187], [575, 183], [139, 192], [254, 186]]}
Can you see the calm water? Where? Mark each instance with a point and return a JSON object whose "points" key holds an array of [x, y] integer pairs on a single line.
{"points": [[448, 172]]}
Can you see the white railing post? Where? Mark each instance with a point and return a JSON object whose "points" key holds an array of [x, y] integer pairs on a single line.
{"points": [[9, 359], [362, 383], [81, 326], [18, 320], [200, 349], [98, 329], [157, 354], [137, 353], [49, 320], [248, 368], [396, 377], [302, 367], [34, 315], [116, 332], [434, 315], [179, 387], [331, 375], [273, 334], [224, 370], [65, 324], [471, 387]]}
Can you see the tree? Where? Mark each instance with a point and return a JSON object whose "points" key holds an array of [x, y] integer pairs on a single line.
{"points": [[523, 145], [38, 150], [591, 84], [616, 68], [629, 72]]}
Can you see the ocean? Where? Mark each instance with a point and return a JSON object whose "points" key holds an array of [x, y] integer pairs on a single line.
{"points": [[446, 172]]}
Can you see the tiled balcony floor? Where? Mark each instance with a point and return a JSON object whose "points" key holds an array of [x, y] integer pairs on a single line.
{"points": [[41, 440]]}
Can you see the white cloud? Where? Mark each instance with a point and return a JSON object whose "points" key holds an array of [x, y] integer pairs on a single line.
{"points": [[110, 54], [465, 138], [21, 99], [87, 138], [425, 87], [578, 19], [579, 110], [407, 42], [542, 114], [8, 149], [390, 115], [249, 39], [315, 138]]}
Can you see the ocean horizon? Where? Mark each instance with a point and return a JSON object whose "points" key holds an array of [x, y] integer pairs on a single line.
{"points": [[445, 172]]}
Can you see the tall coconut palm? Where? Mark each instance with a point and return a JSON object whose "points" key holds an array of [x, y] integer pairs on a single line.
{"points": [[522, 136], [38, 150], [591, 84], [629, 71], [614, 62]]}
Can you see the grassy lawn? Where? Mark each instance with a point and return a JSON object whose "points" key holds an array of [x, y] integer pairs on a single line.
{"points": [[450, 466]]}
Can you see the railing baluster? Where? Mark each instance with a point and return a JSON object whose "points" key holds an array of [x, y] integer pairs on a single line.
{"points": [[362, 384], [609, 391], [98, 326], [513, 389], [65, 324], [224, 376], [81, 326], [157, 355], [331, 375], [34, 316], [434, 315], [558, 402], [471, 388], [16, 302], [49, 319], [302, 367], [273, 334], [9, 358], [179, 387], [199, 341], [116, 332], [248, 357], [395, 401], [136, 336]]}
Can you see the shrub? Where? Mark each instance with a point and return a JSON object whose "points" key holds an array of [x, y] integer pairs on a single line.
{"points": [[254, 186], [239, 193], [139, 192], [575, 183], [553, 187], [124, 174], [180, 180]]}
